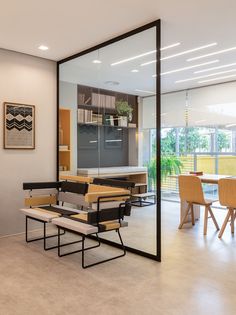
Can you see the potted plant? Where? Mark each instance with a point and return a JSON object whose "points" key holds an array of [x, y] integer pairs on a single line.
{"points": [[124, 109], [170, 165]]}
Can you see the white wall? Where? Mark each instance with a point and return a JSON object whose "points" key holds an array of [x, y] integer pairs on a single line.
{"points": [[27, 80], [68, 99]]}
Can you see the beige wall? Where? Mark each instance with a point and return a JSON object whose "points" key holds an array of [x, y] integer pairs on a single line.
{"points": [[28, 80]]}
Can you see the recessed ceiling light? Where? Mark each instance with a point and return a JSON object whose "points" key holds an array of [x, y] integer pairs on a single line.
{"points": [[191, 67], [215, 68], [97, 61], [135, 70], [205, 76], [212, 54], [219, 78], [145, 91], [133, 58], [189, 51], [170, 46], [43, 47]]}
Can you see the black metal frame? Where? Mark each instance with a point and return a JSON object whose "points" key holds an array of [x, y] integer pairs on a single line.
{"points": [[83, 249], [45, 236], [120, 215], [141, 202], [157, 25]]}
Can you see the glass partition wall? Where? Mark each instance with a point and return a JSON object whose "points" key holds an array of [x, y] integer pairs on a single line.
{"points": [[108, 125]]}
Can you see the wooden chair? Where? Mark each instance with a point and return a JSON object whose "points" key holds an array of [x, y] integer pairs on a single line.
{"points": [[227, 197], [190, 190]]}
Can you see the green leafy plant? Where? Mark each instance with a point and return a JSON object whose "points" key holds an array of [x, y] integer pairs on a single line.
{"points": [[123, 108], [170, 165]]}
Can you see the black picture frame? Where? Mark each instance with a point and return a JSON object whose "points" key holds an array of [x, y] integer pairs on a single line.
{"points": [[13, 127], [157, 25]]}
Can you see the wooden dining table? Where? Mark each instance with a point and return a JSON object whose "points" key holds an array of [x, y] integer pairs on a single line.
{"points": [[212, 179]]}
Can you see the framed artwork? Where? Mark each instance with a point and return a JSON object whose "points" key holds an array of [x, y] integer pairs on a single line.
{"points": [[19, 126]]}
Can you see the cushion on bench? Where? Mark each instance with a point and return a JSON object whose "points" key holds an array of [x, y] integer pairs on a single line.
{"points": [[40, 214], [76, 226]]}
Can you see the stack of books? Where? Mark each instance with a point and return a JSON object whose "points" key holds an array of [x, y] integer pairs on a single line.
{"points": [[84, 115], [103, 101], [97, 119]]}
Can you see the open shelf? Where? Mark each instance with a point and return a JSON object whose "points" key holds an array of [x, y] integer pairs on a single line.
{"points": [[99, 110], [102, 125], [65, 138]]}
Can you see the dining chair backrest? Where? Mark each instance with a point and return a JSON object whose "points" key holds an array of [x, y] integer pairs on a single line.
{"points": [[190, 189], [227, 192]]}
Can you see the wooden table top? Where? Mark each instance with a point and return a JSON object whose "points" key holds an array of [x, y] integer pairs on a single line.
{"points": [[208, 178]]}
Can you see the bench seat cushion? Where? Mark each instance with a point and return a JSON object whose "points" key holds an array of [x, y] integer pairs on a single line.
{"points": [[40, 214], [76, 226]]}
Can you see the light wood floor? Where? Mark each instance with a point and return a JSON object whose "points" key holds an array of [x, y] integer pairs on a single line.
{"points": [[197, 276]]}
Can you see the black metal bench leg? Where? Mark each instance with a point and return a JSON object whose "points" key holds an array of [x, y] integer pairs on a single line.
{"points": [[44, 237], [76, 251], [105, 260]]}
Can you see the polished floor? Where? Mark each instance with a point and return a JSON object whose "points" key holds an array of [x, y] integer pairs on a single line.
{"points": [[196, 276]]}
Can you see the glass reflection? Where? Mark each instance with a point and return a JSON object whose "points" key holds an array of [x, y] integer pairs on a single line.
{"points": [[109, 98]]}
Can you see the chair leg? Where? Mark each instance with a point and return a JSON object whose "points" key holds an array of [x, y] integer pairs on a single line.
{"points": [[225, 223], [232, 221], [205, 220], [214, 219], [192, 215], [105, 260], [184, 217]]}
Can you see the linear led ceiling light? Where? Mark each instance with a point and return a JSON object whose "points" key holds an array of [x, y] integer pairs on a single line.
{"points": [[215, 68], [190, 67], [144, 54], [230, 125], [170, 46], [133, 58], [189, 51], [148, 63], [219, 78], [205, 76], [144, 91], [212, 54], [179, 54]]}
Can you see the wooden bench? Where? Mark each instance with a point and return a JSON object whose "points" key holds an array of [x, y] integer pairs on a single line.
{"points": [[94, 222]]}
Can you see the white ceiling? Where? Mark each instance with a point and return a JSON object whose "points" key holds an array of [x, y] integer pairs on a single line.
{"points": [[73, 25]]}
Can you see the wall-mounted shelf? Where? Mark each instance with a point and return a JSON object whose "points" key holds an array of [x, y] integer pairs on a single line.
{"points": [[99, 110], [98, 116], [65, 138], [102, 125]]}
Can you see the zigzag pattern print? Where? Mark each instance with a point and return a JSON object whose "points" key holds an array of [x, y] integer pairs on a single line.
{"points": [[19, 118]]}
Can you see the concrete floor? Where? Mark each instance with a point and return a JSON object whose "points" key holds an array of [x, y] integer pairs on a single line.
{"points": [[197, 276]]}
